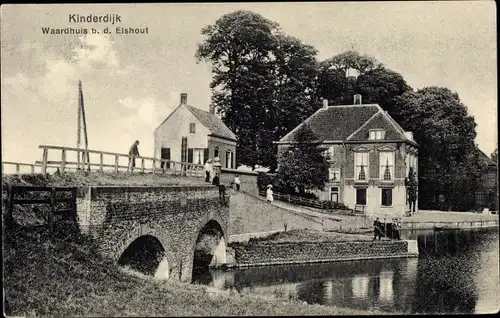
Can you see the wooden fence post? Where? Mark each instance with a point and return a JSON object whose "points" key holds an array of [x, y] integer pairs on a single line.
{"points": [[44, 160], [84, 159], [52, 209], [101, 162], [142, 165], [10, 207], [116, 164], [63, 160], [17, 168], [32, 168], [154, 166], [78, 160], [74, 212], [173, 168]]}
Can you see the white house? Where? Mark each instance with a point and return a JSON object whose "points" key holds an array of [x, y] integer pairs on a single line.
{"points": [[190, 134]]}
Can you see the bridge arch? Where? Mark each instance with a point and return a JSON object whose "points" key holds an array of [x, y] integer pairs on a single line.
{"points": [[209, 249], [158, 259]]}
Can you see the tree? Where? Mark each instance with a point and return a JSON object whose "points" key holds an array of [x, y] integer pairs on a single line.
{"points": [[412, 189], [448, 157], [494, 155], [372, 80], [263, 81], [239, 46], [303, 167]]}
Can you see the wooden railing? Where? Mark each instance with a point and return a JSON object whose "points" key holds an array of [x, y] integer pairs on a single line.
{"points": [[17, 195], [143, 164], [307, 202], [18, 166]]}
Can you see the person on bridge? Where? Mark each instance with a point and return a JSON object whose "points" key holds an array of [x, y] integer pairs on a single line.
{"points": [[237, 182], [216, 180], [134, 152], [208, 170], [269, 194]]}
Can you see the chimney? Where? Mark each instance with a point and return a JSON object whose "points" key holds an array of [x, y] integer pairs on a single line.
{"points": [[184, 98], [325, 103], [357, 99]]}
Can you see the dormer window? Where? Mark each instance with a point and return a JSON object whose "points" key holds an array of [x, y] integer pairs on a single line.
{"points": [[377, 134]]}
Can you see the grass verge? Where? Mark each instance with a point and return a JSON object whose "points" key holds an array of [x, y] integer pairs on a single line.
{"points": [[306, 235], [64, 276]]}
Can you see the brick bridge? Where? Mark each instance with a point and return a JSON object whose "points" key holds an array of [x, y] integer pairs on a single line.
{"points": [[156, 225]]}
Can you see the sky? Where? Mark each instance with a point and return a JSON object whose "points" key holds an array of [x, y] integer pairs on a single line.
{"points": [[132, 82]]}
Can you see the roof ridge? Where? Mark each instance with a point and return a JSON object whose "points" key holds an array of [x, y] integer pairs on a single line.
{"points": [[175, 109]]}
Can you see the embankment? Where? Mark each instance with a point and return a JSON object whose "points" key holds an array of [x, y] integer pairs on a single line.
{"points": [[63, 276], [314, 247], [249, 214]]}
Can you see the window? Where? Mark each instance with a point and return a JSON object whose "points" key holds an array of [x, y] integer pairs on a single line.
{"points": [[184, 149], [361, 196], [376, 134], [334, 174], [334, 194], [192, 128], [328, 154], [361, 169], [198, 155], [387, 197], [216, 152], [229, 159], [386, 166]]}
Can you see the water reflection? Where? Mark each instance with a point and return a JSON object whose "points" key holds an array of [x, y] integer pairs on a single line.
{"points": [[457, 272]]}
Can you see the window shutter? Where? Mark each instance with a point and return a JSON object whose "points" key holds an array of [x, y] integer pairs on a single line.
{"points": [[205, 154], [190, 155]]}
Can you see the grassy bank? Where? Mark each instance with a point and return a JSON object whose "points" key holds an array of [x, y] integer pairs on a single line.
{"points": [[64, 276], [81, 178], [306, 235]]}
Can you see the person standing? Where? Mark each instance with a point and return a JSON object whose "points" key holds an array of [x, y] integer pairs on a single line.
{"points": [[398, 229], [133, 152], [269, 194], [376, 229], [237, 182], [208, 170], [215, 180]]}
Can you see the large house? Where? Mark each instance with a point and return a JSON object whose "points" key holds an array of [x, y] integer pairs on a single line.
{"points": [[190, 134], [370, 156]]}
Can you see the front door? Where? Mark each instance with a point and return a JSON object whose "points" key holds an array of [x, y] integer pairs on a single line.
{"points": [[334, 194], [165, 154]]}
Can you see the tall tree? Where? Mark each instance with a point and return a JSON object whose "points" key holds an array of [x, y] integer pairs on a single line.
{"points": [[448, 157], [263, 81], [303, 167], [345, 74], [494, 156]]}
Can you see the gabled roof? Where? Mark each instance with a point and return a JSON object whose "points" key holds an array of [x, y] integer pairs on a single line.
{"points": [[213, 123], [484, 157], [350, 123], [210, 121]]}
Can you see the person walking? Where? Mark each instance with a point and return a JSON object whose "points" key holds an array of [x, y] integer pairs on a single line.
{"points": [[269, 194], [376, 229], [208, 170], [237, 182], [133, 152]]}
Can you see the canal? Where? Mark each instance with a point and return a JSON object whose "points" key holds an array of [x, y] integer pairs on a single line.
{"points": [[456, 272]]}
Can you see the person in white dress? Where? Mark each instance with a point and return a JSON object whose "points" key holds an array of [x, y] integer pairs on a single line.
{"points": [[269, 194]]}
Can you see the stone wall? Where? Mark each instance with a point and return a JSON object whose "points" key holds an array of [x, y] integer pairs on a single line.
{"points": [[116, 216], [262, 253], [248, 180]]}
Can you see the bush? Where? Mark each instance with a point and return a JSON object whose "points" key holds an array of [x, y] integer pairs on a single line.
{"points": [[263, 179], [330, 205]]}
